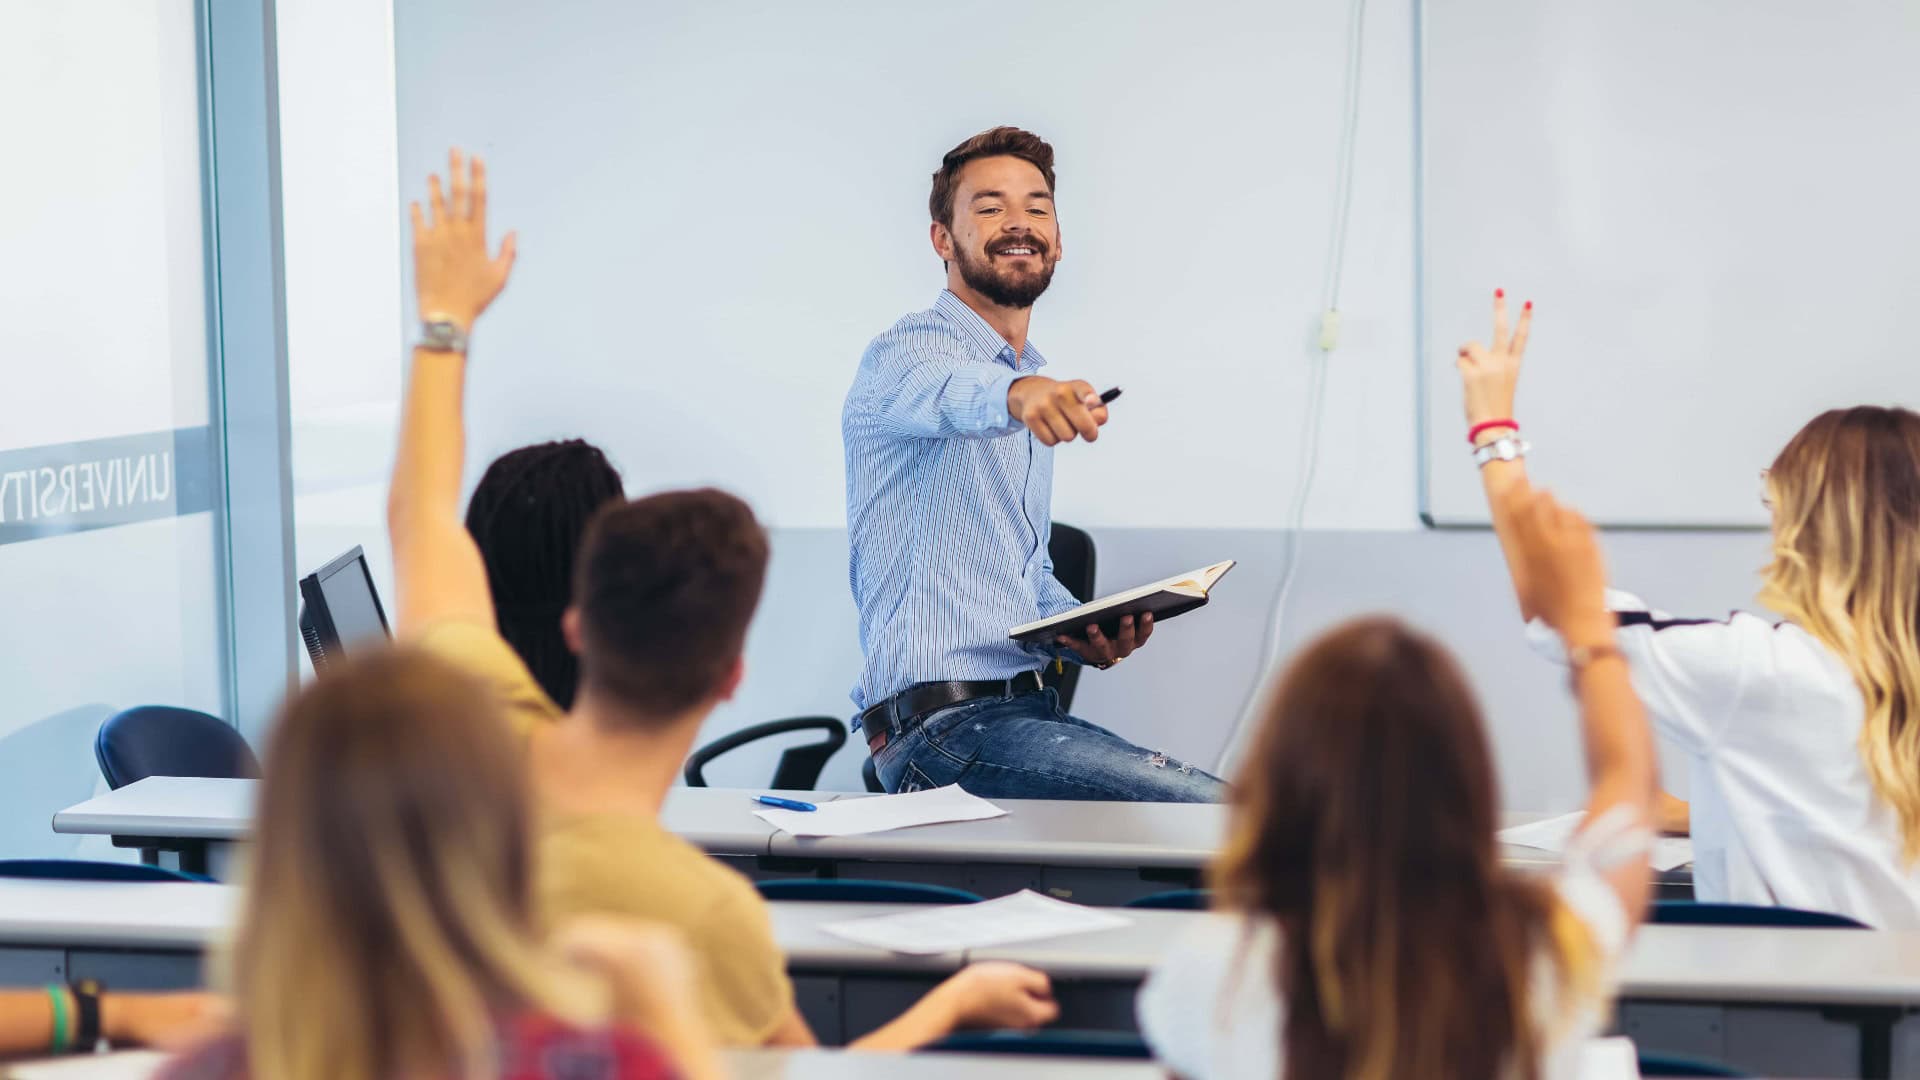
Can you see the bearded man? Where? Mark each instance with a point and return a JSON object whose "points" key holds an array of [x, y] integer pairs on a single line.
{"points": [[950, 431]]}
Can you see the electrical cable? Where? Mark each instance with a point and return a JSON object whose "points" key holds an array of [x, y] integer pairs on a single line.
{"points": [[1327, 341]]}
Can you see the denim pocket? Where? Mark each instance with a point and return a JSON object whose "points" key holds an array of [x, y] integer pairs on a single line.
{"points": [[912, 779]]}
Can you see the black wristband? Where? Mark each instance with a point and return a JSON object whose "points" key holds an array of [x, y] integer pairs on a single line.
{"points": [[86, 1000]]}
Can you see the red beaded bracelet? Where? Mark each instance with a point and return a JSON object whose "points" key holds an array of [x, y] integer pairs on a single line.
{"points": [[1473, 433]]}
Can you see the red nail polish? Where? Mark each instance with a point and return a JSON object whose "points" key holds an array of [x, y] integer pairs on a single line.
{"points": [[1529, 305], [1499, 294]]}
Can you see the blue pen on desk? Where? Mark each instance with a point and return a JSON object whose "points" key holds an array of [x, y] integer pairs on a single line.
{"points": [[784, 804]]}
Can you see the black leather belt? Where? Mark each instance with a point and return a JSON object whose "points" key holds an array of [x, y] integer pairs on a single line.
{"points": [[903, 711]]}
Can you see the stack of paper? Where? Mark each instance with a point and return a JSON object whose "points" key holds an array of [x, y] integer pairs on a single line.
{"points": [[1024, 916], [878, 813], [1552, 834]]}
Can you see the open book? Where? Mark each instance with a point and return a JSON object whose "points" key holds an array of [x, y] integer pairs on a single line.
{"points": [[1165, 599]]}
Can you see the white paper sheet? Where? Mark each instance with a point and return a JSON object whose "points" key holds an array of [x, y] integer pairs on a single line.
{"points": [[1609, 1059], [1552, 834], [1023, 916], [878, 813], [123, 1065]]}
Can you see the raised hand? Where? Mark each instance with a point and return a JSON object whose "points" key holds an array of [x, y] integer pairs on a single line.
{"points": [[453, 276], [1566, 578], [1056, 412], [1489, 373]]}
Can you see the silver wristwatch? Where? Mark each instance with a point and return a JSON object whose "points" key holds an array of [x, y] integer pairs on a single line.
{"points": [[1504, 448], [442, 335]]}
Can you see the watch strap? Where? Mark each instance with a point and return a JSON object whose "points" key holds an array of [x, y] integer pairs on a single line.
{"points": [[442, 335], [86, 1001], [1504, 448]]}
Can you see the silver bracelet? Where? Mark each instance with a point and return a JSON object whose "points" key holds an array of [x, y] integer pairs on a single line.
{"points": [[1504, 448]]}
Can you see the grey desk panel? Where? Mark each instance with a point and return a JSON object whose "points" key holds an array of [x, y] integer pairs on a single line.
{"points": [[1798, 966], [844, 1065], [32, 966]]}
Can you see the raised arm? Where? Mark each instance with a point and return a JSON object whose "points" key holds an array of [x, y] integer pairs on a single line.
{"points": [[1489, 375], [1560, 557], [438, 571]]}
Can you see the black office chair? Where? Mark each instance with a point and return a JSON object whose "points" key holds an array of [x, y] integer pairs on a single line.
{"points": [[1652, 1065], [1073, 563], [1174, 900], [1692, 913], [1050, 1042], [84, 870], [162, 740], [799, 766]]}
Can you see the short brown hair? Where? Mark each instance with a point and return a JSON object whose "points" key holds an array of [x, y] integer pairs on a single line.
{"points": [[1002, 141], [665, 587]]}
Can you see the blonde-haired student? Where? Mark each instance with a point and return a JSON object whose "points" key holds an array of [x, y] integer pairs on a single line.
{"points": [[1376, 933], [388, 928], [1803, 736]]}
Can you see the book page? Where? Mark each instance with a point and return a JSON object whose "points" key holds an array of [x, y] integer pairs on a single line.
{"points": [[879, 813], [1193, 583], [1552, 834], [1023, 916]]}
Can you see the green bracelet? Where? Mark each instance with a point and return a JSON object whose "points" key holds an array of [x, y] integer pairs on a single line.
{"points": [[58, 995]]}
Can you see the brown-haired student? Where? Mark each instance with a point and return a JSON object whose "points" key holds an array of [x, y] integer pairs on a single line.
{"points": [[1376, 934], [664, 590]]}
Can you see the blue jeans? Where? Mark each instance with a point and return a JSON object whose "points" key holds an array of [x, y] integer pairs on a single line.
{"points": [[1024, 747]]}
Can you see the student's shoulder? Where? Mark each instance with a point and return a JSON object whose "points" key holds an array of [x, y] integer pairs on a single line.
{"points": [[478, 649], [628, 865]]}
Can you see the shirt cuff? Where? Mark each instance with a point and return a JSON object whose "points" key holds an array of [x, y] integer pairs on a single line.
{"points": [[990, 409]]}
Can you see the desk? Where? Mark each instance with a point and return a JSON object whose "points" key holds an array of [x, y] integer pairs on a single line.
{"points": [[844, 1065], [202, 818], [1088, 852], [129, 935], [740, 1064], [1785, 1001], [1791, 1001]]}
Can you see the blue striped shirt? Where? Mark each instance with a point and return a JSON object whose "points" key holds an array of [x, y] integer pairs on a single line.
{"points": [[947, 505]]}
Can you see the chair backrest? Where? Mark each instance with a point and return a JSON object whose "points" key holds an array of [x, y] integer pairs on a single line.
{"points": [[799, 766], [1071, 550], [1058, 1042], [82, 870], [162, 740], [1174, 900], [863, 892], [870, 775], [1690, 913], [1652, 1065]]}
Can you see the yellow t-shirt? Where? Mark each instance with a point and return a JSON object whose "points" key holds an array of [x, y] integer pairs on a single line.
{"points": [[627, 865]]}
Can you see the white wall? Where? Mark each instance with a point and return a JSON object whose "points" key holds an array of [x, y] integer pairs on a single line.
{"points": [[608, 333], [719, 204], [339, 193]]}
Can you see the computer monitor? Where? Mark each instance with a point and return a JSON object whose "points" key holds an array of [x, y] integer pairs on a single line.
{"points": [[340, 609]]}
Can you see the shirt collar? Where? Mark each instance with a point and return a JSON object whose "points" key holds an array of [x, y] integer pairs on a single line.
{"points": [[983, 336]]}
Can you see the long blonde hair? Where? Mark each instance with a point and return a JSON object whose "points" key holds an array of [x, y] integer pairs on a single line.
{"points": [[1363, 825], [1846, 568], [388, 920]]}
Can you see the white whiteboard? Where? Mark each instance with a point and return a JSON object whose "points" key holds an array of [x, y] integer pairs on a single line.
{"points": [[1716, 205], [720, 202]]}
